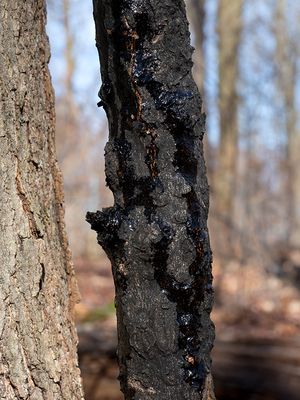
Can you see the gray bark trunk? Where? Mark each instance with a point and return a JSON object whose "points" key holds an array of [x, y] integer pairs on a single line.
{"points": [[37, 288], [156, 233]]}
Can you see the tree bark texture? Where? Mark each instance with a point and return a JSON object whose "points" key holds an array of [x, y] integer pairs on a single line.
{"points": [[156, 233], [37, 288], [229, 28]]}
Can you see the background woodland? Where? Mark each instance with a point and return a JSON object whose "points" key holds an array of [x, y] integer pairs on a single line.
{"points": [[246, 64]]}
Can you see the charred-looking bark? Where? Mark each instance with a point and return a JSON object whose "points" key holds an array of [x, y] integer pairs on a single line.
{"points": [[156, 233], [38, 358]]}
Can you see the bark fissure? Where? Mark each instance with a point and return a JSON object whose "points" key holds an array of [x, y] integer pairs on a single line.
{"points": [[156, 233], [27, 206]]}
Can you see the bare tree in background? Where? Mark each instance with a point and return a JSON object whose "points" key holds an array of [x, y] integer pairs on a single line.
{"points": [[78, 142], [196, 14], [69, 52], [156, 233], [229, 28], [287, 60], [37, 287]]}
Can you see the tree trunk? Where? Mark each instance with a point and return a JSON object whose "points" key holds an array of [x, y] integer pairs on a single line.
{"points": [[156, 233], [196, 14], [287, 59], [68, 52], [37, 288], [229, 27]]}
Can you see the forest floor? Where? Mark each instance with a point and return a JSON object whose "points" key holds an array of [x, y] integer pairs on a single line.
{"points": [[257, 348]]}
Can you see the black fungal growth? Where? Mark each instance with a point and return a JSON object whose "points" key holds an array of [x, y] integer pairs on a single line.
{"points": [[156, 233]]}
